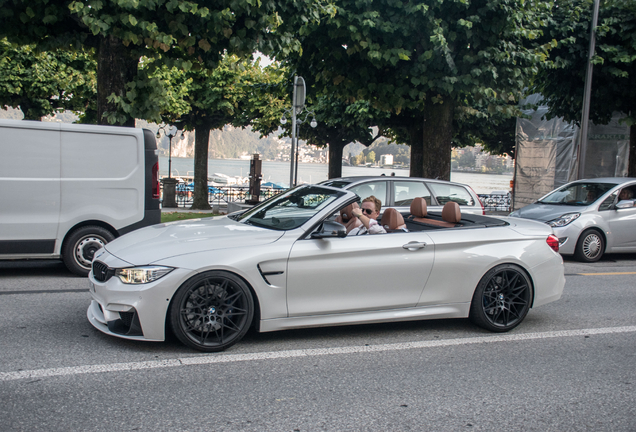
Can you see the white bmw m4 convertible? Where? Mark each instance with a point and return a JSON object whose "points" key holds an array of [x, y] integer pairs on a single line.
{"points": [[287, 263]]}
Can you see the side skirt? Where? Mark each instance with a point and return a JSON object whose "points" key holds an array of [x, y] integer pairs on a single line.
{"points": [[454, 310]]}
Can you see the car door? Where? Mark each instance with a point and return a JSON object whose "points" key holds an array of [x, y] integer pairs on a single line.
{"points": [[357, 273], [622, 223]]}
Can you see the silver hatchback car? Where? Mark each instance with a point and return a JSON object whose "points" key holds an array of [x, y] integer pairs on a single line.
{"points": [[398, 192], [590, 217]]}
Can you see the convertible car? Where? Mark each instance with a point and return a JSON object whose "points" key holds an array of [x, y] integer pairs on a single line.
{"points": [[287, 263]]}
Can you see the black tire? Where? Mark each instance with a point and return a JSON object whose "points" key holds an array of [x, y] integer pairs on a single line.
{"points": [[80, 247], [590, 247], [502, 298], [211, 311]]}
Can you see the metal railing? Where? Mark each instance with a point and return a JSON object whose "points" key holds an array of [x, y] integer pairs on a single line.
{"points": [[222, 195], [496, 202]]}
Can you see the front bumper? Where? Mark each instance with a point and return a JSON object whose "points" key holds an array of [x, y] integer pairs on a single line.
{"points": [[136, 312]]}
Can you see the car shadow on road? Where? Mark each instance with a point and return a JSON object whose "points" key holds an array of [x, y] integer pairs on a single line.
{"points": [[44, 268]]}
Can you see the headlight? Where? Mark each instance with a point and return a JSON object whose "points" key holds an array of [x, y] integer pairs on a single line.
{"points": [[142, 275], [563, 220]]}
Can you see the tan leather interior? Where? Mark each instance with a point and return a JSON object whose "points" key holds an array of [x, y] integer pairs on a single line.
{"points": [[392, 219]]}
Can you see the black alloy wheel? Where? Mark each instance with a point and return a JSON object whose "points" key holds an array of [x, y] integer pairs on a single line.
{"points": [[502, 298], [212, 311]]}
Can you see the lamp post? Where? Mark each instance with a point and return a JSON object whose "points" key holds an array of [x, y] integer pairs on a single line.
{"points": [[170, 132], [587, 94], [169, 184], [298, 104]]}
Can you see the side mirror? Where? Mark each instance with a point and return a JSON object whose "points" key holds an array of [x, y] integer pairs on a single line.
{"points": [[625, 204], [329, 229]]}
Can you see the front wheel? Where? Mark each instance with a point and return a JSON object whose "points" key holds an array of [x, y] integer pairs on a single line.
{"points": [[80, 247], [590, 246], [212, 311], [502, 298]]}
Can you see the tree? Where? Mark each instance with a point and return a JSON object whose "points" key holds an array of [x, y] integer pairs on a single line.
{"points": [[340, 124], [203, 100], [422, 62], [43, 83], [172, 32], [561, 80]]}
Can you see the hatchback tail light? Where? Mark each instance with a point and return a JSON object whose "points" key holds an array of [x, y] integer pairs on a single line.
{"points": [[553, 242], [155, 181]]}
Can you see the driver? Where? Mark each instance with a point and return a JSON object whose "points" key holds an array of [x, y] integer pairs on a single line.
{"points": [[367, 215]]}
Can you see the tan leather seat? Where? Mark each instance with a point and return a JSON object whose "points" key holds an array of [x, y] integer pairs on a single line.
{"points": [[348, 219], [418, 209], [451, 214], [392, 220]]}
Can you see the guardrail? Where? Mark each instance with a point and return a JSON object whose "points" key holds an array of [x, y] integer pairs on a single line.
{"points": [[496, 202]]}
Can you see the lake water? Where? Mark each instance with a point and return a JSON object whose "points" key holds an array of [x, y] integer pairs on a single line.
{"points": [[278, 172]]}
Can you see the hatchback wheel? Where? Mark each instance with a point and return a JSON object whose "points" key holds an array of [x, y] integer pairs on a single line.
{"points": [[590, 247], [502, 298], [212, 311]]}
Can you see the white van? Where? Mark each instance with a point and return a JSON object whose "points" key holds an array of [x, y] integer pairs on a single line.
{"points": [[67, 189]]}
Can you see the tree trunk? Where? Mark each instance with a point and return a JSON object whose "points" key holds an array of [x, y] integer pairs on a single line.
{"points": [[631, 164], [115, 68], [417, 148], [201, 143], [335, 160], [438, 132]]}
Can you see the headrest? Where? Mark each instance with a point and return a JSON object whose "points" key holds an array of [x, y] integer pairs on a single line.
{"points": [[347, 212], [451, 212], [418, 207], [392, 219]]}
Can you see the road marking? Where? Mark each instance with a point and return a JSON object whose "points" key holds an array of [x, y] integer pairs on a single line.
{"points": [[607, 274], [233, 358]]}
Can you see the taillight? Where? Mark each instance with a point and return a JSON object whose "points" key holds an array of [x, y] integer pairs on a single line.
{"points": [[155, 180], [483, 210], [553, 242]]}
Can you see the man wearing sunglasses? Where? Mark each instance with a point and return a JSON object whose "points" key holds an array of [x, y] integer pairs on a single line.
{"points": [[368, 215]]}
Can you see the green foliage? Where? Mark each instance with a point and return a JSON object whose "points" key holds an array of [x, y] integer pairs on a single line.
{"points": [[561, 79], [174, 33], [43, 83]]}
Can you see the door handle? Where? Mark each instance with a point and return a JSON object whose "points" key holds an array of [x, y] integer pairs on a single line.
{"points": [[414, 245]]}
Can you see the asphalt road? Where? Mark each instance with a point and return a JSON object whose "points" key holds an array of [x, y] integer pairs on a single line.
{"points": [[571, 366]]}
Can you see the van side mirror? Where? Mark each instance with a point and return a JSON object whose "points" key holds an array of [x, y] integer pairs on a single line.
{"points": [[329, 229]]}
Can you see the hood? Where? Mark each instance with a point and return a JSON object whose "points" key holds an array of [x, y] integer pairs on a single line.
{"points": [[150, 244], [546, 212]]}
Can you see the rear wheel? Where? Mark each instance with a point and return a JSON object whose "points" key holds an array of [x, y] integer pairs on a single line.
{"points": [[590, 246], [212, 311], [80, 247], [502, 298]]}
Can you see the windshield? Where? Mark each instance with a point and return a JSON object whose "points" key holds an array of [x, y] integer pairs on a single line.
{"points": [[578, 194], [291, 209], [336, 183]]}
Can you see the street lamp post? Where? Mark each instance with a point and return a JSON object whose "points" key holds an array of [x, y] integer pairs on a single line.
{"points": [[298, 105], [169, 184], [170, 132]]}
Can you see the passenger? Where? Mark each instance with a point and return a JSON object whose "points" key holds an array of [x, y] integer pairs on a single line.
{"points": [[626, 194], [368, 215]]}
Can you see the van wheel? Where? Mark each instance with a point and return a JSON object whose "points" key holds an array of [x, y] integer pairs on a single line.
{"points": [[80, 247]]}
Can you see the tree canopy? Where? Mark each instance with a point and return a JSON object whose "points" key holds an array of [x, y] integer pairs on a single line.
{"points": [[171, 31], [422, 62], [561, 79], [43, 83]]}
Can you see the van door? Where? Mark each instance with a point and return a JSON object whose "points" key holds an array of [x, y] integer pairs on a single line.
{"points": [[29, 188]]}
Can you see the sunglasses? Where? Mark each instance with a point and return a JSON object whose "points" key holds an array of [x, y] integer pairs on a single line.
{"points": [[367, 211]]}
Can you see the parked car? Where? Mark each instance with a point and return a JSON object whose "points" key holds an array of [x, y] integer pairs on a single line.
{"points": [[68, 189], [287, 264], [590, 217], [398, 192]]}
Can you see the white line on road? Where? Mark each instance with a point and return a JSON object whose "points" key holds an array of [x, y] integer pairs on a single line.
{"points": [[232, 358]]}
